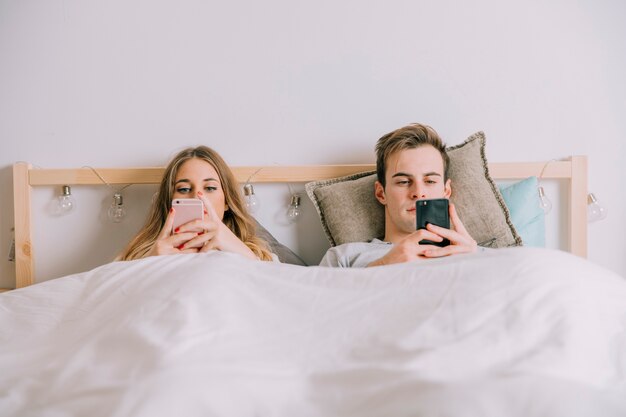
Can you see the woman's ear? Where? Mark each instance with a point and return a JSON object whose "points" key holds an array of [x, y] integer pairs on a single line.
{"points": [[379, 192]]}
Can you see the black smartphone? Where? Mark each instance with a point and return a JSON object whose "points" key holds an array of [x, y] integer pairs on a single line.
{"points": [[433, 211]]}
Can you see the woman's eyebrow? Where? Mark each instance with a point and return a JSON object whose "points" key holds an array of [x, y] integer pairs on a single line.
{"points": [[204, 180]]}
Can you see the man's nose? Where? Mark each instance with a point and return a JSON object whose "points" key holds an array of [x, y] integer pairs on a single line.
{"points": [[417, 192]]}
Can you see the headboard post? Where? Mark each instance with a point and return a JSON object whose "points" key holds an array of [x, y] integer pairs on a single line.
{"points": [[578, 207], [24, 260]]}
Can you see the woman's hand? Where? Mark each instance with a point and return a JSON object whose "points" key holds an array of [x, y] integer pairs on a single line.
{"points": [[211, 233], [168, 243]]}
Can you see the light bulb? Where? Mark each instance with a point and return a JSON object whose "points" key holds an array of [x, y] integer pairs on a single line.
{"points": [[65, 202], [116, 209], [595, 210], [544, 201], [293, 211], [250, 199]]}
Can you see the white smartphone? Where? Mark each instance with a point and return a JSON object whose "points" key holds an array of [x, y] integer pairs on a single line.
{"points": [[186, 210]]}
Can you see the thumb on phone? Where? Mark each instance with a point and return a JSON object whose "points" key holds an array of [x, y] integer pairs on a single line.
{"points": [[209, 211], [456, 221]]}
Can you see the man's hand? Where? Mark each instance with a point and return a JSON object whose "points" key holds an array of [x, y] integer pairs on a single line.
{"points": [[460, 239], [409, 248]]}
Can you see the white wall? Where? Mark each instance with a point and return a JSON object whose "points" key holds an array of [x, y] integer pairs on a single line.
{"points": [[122, 83]]}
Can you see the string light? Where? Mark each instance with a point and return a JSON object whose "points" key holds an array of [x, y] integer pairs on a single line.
{"points": [[116, 211], [249, 197], [251, 201], [595, 210], [293, 211], [65, 202], [544, 201]]}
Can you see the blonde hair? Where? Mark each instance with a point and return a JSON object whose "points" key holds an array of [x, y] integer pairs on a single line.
{"points": [[236, 218]]}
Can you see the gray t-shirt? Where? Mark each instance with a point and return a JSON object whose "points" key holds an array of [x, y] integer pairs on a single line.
{"points": [[360, 254], [355, 254]]}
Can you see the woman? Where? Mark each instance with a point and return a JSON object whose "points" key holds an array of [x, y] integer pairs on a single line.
{"points": [[198, 173]]}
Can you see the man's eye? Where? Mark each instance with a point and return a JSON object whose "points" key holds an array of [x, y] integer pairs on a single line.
{"points": [[431, 182], [402, 182]]}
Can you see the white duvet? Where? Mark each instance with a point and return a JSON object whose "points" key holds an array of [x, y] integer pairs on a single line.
{"points": [[512, 332]]}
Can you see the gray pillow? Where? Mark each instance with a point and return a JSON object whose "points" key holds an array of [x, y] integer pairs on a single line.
{"points": [[285, 255], [349, 211]]}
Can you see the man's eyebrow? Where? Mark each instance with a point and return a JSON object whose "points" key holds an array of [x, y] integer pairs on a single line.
{"points": [[404, 174], [401, 174]]}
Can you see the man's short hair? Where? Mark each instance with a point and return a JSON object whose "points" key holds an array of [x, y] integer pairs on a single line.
{"points": [[408, 137]]}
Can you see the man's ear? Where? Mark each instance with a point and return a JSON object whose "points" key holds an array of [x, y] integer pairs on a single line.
{"points": [[379, 192], [447, 189]]}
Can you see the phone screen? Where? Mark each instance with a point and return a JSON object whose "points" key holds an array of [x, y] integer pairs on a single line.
{"points": [[433, 211], [186, 210]]}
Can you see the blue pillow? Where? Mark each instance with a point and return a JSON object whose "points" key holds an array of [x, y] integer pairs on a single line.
{"points": [[522, 200]]}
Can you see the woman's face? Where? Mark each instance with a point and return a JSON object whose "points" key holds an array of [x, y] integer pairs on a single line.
{"points": [[198, 175]]}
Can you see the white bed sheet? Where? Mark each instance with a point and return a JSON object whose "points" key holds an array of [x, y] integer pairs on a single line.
{"points": [[510, 332]]}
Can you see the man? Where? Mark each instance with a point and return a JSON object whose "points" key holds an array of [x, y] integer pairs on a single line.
{"points": [[411, 165]]}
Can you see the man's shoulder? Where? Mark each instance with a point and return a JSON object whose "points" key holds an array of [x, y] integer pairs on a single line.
{"points": [[354, 253], [358, 245]]}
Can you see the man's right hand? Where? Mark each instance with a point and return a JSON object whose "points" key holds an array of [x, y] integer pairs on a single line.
{"points": [[409, 248]]}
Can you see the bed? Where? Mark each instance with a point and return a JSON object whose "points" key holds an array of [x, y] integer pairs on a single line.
{"points": [[517, 331]]}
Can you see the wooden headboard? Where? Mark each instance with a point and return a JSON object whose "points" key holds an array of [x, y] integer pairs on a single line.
{"points": [[574, 170]]}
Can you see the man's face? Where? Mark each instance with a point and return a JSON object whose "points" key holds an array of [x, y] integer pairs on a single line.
{"points": [[411, 174]]}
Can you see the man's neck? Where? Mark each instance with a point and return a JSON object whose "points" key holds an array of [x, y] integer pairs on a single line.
{"points": [[394, 236]]}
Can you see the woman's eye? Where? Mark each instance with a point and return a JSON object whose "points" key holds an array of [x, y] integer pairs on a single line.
{"points": [[183, 190], [210, 188]]}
